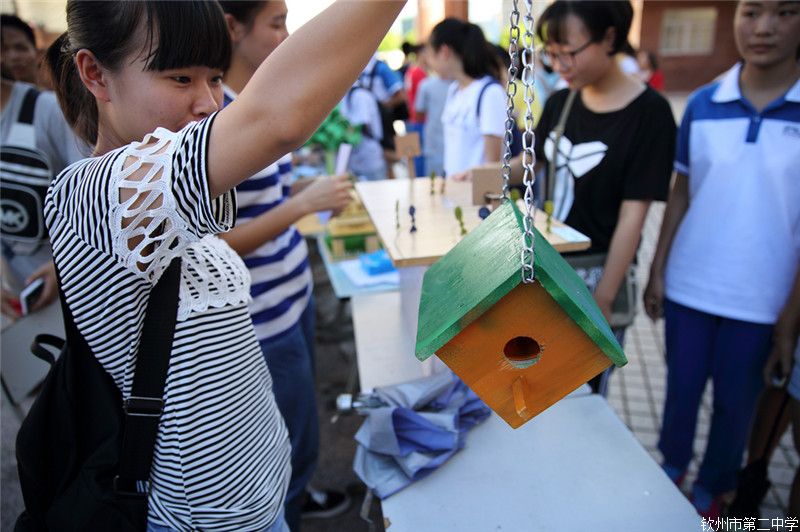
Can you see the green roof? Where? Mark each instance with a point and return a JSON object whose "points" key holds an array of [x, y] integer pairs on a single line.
{"points": [[484, 267]]}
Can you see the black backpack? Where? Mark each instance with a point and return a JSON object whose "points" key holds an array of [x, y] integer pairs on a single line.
{"points": [[83, 456], [25, 174]]}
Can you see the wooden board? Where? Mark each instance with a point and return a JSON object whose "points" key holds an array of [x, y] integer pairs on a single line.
{"points": [[437, 228], [310, 225]]}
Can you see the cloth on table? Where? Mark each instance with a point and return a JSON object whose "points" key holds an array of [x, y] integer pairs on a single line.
{"points": [[424, 424]]}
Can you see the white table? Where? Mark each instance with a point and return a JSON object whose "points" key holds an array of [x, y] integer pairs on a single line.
{"points": [[575, 467]]}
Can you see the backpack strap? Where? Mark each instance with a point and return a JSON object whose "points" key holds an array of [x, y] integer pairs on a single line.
{"points": [[28, 106], [145, 404], [559, 132], [491, 82], [22, 132], [366, 131]]}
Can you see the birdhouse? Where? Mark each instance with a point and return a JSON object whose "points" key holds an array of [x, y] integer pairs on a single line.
{"points": [[520, 346]]}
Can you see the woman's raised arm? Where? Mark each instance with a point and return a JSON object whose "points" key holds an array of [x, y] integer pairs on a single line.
{"points": [[295, 89]]}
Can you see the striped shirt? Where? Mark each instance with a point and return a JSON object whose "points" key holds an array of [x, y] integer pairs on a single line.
{"points": [[222, 451], [281, 277]]}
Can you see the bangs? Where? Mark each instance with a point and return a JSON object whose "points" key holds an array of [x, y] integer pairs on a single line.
{"points": [[550, 27], [185, 34]]}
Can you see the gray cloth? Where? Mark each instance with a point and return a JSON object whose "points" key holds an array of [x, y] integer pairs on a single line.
{"points": [[424, 424], [431, 98]]}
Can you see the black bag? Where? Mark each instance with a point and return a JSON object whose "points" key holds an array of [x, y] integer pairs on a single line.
{"points": [[753, 483], [25, 175], [83, 457]]}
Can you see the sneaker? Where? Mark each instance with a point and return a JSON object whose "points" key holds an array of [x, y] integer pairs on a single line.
{"points": [[675, 475], [324, 504], [707, 506]]}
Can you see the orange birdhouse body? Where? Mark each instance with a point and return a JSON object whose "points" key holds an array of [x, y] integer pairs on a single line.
{"points": [[525, 341], [520, 346]]}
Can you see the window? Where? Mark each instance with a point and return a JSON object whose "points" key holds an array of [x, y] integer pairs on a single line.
{"points": [[688, 31]]}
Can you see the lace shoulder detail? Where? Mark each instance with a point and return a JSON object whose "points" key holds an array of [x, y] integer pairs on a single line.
{"points": [[213, 276], [146, 229]]}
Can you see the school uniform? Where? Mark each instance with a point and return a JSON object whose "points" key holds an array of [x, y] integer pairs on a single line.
{"points": [[465, 122], [730, 268]]}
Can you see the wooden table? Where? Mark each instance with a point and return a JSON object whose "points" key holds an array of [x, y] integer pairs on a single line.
{"points": [[437, 228]]}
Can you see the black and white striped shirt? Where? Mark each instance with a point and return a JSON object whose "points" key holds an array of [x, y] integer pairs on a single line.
{"points": [[222, 453]]}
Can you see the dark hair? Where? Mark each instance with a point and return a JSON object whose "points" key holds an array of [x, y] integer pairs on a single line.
{"points": [[652, 58], [13, 21], [467, 41], [596, 15], [243, 11], [175, 35]]}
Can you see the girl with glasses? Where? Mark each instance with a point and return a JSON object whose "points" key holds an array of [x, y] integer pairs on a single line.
{"points": [[613, 158]]}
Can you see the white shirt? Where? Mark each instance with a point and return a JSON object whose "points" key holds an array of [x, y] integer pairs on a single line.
{"points": [[464, 129], [360, 108], [737, 250]]}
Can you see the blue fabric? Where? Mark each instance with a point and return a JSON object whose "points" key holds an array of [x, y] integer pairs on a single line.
{"points": [[732, 353], [290, 359], [423, 426], [278, 526]]}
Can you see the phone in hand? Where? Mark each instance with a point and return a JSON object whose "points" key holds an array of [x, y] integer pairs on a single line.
{"points": [[30, 294]]}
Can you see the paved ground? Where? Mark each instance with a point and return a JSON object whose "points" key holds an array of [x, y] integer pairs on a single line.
{"points": [[636, 393]]}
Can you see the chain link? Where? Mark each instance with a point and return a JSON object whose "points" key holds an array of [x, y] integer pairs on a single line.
{"points": [[528, 155], [511, 93]]}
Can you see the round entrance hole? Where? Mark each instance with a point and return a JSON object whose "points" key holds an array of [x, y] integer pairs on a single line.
{"points": [[522, 351]]}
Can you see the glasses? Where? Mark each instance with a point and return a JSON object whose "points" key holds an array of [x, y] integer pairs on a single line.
{"points": [[567, 59]]}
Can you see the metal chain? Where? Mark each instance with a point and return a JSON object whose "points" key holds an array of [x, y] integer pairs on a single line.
{"points": [[511, 92], [528, 155]]}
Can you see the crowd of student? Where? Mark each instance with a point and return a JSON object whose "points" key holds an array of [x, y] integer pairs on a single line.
{"points": [[169, 107]]}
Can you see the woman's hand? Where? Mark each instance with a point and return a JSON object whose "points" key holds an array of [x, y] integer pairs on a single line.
{"points": [[328, 193], [47, 272], [653, 297]]}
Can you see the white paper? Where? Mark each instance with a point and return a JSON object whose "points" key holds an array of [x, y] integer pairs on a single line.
{"points": [[343, 158]]}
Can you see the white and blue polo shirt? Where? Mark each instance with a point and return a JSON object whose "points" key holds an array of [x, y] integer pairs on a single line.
{"points": [[737, 250], [281, 278]]}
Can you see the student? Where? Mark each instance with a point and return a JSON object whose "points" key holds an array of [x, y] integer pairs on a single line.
{"points": [[276, 256], [19, 56], [142, 81], [649, 71], [474, 116], [25, 248], [429, 105], [784, 361], [729, 247], [614, 157], [362, 110]]}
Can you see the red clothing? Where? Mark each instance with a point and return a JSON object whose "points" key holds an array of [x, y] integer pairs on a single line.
{"points": [[657, 80], [414, 75]]}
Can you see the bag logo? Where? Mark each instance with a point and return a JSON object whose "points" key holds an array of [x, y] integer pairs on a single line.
{"points": [[14, 216]]}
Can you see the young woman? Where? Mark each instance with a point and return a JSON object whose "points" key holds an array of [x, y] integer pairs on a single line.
{"points": [[142, 81], [282, 306], [729, 248], [475, 113], [614, 156]]}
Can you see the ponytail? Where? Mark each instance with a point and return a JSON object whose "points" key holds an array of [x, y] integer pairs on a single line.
{"points": [[467, 41], [77, 103]]}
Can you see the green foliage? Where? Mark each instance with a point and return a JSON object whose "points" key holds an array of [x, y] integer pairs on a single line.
{"points": [[392, 41]]}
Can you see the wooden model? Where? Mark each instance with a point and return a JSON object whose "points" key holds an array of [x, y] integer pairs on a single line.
{"points": [[351, 232], [520, 347], [485, 180]]}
